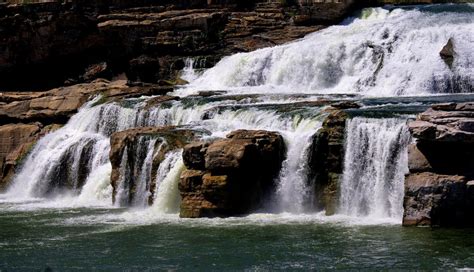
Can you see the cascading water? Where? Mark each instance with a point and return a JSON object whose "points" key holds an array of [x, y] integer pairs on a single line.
{"points": [[374, 167], [293, 192], [383, 53], [75, 159], [378, 53]]}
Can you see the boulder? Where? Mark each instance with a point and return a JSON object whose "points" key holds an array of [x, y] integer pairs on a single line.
{"points": [[230, 176]]}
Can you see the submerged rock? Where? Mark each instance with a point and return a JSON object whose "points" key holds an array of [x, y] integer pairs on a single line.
{"points": [[230, 176], [437, 191]]}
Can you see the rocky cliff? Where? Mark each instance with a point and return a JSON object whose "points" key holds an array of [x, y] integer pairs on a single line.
{"points": [[439, 189], [51, 44]]}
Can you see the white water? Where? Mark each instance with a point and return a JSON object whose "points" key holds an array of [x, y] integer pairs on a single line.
{"points": [[81, 148], [167, 194], [382, 53], [293, 192], [374, 167]]}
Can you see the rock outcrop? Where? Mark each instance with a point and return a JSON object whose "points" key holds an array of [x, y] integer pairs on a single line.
{"points": [[129, 150], [46, 45], [58, 105], [16, 140], [439, 188], [230, 176], [26, 116], [327, 158]]}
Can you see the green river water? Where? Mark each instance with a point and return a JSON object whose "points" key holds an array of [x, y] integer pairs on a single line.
{"points": [[96, 239]]}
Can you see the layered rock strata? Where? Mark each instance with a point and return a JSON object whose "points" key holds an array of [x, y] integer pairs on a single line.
{"points": [[439, 189], [51, 44]]}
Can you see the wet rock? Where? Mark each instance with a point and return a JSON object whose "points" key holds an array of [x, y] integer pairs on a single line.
{"points": [[326, 160], [447, 53], [156, 101], [230, 176], [440, 165], [128, 152], [16, 140]]}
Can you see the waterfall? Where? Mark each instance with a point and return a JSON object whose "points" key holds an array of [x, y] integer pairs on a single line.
{"points": [[167, 178], [74, 160], [374, 166], [383, 53], [189, 73], [294, 190]]}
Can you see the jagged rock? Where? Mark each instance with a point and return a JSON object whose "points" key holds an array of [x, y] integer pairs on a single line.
{"points": [[326, 160], [437, 200], [136, 143], [230, 176], [193, 155], [440, 165], [447, 53]]}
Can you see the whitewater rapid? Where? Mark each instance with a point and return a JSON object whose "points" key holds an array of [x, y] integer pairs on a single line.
{"points": [[382, 52]]}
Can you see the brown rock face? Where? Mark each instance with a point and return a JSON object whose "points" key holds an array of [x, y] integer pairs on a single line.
{"points": [[16, 140], [437, 200], [326, 160], [131, 147], [437, 191], [58, 105], [76, 41], [230, 176]]}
